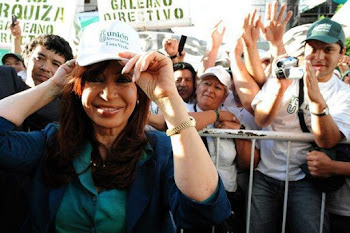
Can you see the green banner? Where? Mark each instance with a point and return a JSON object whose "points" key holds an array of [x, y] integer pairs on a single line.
{"points": [[305, 5], [3, 52], [36, 17], [86, 18]]}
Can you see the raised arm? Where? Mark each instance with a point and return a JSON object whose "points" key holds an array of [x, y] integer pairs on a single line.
{"points": [[16, 108], [16, 32], [194, 172], [245, 85], [171, 46], [250, 35], [275, 26], [324, 128], [267, 109], [210, 55]]}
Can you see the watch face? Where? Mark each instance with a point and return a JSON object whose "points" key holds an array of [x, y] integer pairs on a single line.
{"points": [[326, 110]]}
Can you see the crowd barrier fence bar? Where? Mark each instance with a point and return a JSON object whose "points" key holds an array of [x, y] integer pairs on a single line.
{"points": [[253, 135]]}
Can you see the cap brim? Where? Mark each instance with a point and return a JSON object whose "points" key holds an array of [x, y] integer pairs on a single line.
{"points": [[97, 58], [207, 74], [10, 55], [323, 38], [211, 74]]}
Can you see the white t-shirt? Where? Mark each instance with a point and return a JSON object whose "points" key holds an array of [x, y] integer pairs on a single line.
{"points": [[245, 117], [227, 153], [23, 74], [273, 153], [153, 108]]}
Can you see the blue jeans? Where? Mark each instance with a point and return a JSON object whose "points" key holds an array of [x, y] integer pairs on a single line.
{"points": [[303, 207]]}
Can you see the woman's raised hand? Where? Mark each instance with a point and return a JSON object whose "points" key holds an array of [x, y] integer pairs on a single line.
{"points": [[153, 72]]}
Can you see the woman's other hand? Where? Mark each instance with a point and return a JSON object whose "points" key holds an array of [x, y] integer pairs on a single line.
{"points": [[153, 72], [60, 77]]}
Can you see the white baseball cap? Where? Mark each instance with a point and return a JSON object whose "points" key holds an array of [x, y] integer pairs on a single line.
{"points": [[220, 73], [103, 41]]}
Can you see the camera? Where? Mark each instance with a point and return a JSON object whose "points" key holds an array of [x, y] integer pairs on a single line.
{"points": [[287, 68], [13, 20], [182, 44]]}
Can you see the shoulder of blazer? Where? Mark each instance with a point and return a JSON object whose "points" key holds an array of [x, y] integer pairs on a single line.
{"points": [[10, 81]]}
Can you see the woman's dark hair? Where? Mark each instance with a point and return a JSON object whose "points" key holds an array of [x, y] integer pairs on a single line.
{"points": [[76, 129]]}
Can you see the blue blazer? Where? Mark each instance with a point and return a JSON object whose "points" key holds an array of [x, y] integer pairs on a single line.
{"points": [[16, 186], [11, 84], [150, 197]]}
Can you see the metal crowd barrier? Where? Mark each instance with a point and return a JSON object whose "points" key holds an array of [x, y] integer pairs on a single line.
{"points": [[254, 135]]}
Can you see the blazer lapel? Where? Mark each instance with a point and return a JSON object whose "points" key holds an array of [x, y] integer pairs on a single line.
{"points": [[140, 192]]}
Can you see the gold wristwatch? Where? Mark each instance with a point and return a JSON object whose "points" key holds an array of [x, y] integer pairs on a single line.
{"points": [[184, 125]]}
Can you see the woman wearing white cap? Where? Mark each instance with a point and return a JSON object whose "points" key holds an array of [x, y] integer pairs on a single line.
{"points": [[98, 171], [211, 92]]}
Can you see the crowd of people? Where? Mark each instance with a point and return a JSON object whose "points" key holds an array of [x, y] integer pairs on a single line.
{"points": [[108, 141]]}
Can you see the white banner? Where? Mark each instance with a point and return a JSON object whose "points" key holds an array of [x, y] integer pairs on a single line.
{"points": [[305, 5], [37, 17], [342, 15], [146, 14]]}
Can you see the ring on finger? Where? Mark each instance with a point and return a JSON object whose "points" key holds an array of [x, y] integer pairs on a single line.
{"points": [[69, 63]]}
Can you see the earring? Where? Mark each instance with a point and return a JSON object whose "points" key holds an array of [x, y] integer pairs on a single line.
{"points": [[137, 102]]}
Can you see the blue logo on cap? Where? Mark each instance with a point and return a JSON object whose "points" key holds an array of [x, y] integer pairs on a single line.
{"points": [[103, 36]]}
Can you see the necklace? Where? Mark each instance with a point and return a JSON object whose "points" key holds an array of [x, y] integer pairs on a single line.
{"points": [[94, 164]]}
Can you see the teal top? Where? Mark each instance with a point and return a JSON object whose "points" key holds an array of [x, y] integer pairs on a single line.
{"points": [[83, 209]]}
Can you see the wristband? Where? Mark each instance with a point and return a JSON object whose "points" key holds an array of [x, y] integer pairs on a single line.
{"points": [[217, 114], [172, 57]]}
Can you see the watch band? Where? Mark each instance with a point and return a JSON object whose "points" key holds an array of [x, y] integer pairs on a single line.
{"points": [[184, 125], [172, 57], [325, 112]]}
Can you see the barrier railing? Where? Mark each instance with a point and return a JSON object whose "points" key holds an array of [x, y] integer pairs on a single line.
{"points": [[254, 135]]}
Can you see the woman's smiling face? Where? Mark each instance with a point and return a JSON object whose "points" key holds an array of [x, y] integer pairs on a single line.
{"points": [[109, 97]]}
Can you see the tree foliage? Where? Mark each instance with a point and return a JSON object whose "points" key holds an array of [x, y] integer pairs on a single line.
{"points": [[347, 44]]}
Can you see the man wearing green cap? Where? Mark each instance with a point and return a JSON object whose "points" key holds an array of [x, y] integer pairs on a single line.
{"points": [[16, 61], [326, 110], [325, 47]]}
